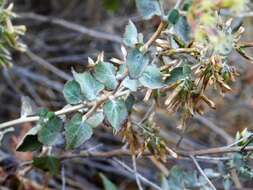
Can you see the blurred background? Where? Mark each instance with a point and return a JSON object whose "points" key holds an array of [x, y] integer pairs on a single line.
{"points": [[62, 34]]}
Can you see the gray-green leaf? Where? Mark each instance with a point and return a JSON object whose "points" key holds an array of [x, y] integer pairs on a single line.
{"points": [[106, 74], [77, 132], [116, 113], [136, 63], [50, 131], [182, 29], [152, 78], [96, 119], [179, 73], [130, 35], [131, 84], [72, 92], [148, 8], [90, 87]]}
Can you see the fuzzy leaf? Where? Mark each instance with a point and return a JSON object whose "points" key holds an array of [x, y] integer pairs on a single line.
{"points": [[50, 130], [152, 78], [47, 163], [30, 141], [182, 30], [181, 179], [106, 74], [77, 132], [72, 92], [116, 113], [179, 73], [90, 87], [130, 35], [131, 84], [148, 8], [136, 63], [96, 119]]}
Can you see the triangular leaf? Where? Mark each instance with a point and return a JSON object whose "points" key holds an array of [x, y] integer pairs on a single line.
{"points": [[179, 73], [131, 84], [182, 30], [148, 8], [30, 141], [106, 74], [130, 35], [96, 119], [72, 92], [180, 179], [108, 185], [116, 113], [77, 132], [90, 87], [152, 78], [50, 130], [136, 63]]}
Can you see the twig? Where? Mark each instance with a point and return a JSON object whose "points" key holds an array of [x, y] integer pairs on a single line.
{"points": [[179, 2], [240, 140], [214, 128], [33, 183], [79, 106], [155, 35], [202, 172], [182, 136], [147, 114], [170, 52], [213, 158], [48, 66], [243, 15], [36, 77], [72, 26], [136, 173], [59, 112], [219, 150], [160, 165], [145, 180], [235, 178], [63, 179], [123, 152]]}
